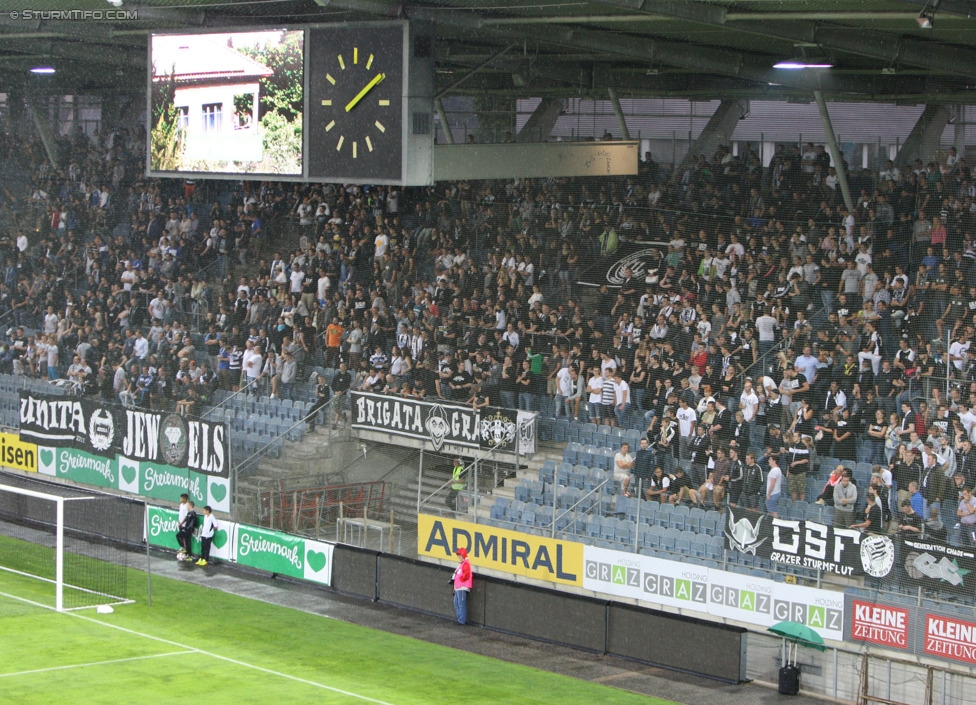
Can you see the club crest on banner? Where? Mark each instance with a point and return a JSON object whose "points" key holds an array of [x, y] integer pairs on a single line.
{"points": [[172, 439], [437, 426], [743, 535], [101, 430], [497, 429]]}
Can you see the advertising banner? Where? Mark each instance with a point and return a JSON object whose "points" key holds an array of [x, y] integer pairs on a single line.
{"points": [[144, 479], [16, 454], [810, 544], [162, 526], [880, 624], [951, 638], [148, 479], [445, 423], [644, 260], [275, 552], [506, 551], [714, 592], [937, 566], [153, 436], [79, 466]]}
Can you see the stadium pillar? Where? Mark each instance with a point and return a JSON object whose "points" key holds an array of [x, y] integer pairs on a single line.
{"points": [[615, 102], [717, 132], [924, 139], [835, 153], [959, 138], [540, 123], [445, 125], [44, 130]]}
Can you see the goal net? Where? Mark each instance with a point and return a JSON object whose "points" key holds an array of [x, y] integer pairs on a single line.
{"points": [[66, 547]]}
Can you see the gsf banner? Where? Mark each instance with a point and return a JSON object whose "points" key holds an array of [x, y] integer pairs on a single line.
{"points": [[713, 592], [140, 435], [444, 423], [162, 524], [284, 554], [810, 544]]}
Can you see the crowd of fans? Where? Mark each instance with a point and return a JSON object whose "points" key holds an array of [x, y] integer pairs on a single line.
{"points": [[860, 319]]}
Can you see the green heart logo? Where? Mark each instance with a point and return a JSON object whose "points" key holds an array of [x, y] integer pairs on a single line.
{"points": [[218, 492], [220, 538], [316, 560], [128, 474], [47, 457]]}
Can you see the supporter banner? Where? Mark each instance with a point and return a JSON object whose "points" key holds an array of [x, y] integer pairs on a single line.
{"points": [[69, 421], [138, 478], [141, 435], [442, 424], [714, 592], [643, 259], [275, 552], [514, 552], [16, 454], [937, 566], [810, 544], [163, 524]]}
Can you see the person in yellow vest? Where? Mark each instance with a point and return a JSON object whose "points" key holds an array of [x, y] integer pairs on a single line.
{"points": [[457, 484]]}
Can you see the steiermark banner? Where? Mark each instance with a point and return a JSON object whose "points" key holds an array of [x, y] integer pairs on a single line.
{"points": [[162, 526], [148, 479], [79, 466], [284, 554], [145, 479]]}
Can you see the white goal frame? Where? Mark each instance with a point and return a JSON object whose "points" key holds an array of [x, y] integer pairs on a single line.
{"points": [[59, 551]]}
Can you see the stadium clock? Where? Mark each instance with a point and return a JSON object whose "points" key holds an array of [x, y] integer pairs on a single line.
{"points": [[356, 103]]}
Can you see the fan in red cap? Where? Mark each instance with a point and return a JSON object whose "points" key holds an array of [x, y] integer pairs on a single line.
{"points": [[462, 581]]}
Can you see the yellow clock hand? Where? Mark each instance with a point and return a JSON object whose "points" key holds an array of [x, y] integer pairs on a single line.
{"points": [[366, 89]]}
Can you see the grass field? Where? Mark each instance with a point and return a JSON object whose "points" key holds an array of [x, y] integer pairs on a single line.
{"points": [[205, 645]]}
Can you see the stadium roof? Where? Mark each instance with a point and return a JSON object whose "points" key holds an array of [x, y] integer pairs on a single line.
{"points": [[565, 48]]}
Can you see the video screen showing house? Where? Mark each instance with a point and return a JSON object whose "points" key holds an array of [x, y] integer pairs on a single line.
{"points": [[227, 103]]}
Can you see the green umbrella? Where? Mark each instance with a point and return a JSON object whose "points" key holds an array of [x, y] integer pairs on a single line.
{"points": [[799, 634]]}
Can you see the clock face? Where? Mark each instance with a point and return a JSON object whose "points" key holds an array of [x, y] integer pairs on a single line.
{"points": [[355, 127]]}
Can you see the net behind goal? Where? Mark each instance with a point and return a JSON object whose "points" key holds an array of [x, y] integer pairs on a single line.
{"points": [[71, 546]]}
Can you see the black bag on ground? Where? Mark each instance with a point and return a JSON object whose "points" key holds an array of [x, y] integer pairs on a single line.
{"points": [[789, 680]]}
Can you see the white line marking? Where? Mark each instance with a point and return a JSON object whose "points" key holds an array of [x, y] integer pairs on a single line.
{"points": [[201, 651], [94, 663]]}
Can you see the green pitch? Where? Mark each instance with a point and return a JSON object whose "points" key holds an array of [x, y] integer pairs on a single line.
{"points": [[200, 644]]}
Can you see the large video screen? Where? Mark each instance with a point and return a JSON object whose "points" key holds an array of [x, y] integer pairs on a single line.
{"points": [[227, 103]]}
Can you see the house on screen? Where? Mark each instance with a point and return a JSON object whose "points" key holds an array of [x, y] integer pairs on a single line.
{"points": [[217, 95]]}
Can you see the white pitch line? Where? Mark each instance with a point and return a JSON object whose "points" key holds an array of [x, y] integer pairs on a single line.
{"points": [[93, 663], [192, 649]]}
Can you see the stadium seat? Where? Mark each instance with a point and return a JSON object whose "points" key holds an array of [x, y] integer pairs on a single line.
{"points": [[608, 530], [548, 471]]}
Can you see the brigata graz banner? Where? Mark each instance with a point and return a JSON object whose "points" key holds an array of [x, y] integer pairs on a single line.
{"points": [[106, 431], [444, 423], [809, 544]]}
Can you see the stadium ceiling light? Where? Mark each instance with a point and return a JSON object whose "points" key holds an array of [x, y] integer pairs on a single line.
{"points": [[797, 63], [42, 69], [924, 20]]}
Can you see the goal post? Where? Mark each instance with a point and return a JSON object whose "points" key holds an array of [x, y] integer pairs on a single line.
{"points": [[73, 541]]}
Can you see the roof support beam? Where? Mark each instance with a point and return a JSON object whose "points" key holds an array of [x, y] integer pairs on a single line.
{"points": [[923, 141], [835, 152], [540, 123], [718, 131]]}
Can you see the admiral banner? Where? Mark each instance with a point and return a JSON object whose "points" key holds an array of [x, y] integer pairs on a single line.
{"points": [[713, 592], [514, 552], [444, 423], [936, 566], [140, 435], [810, 544]]}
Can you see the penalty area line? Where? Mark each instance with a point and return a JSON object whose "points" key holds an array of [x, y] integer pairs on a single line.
{"points": [[192, 649], [93, 663]]}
